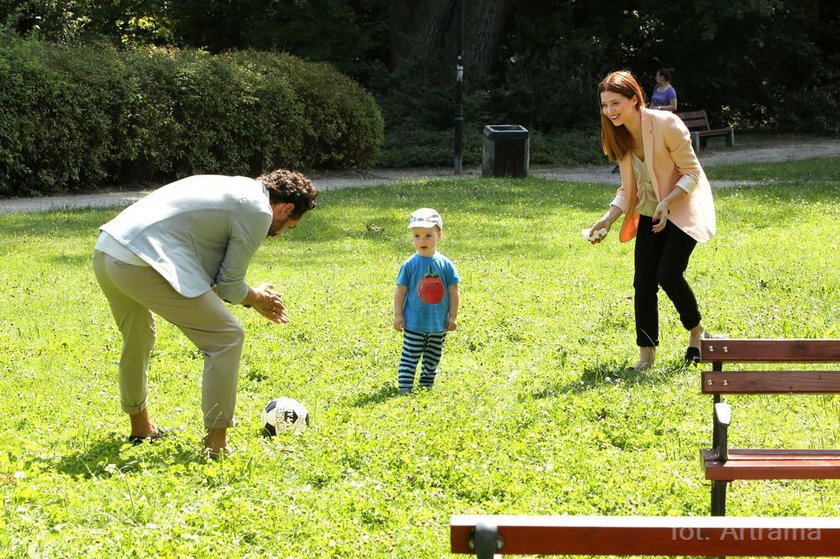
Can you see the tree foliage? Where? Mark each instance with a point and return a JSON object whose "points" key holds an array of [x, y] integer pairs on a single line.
{"points": [[751, 63], [76, 117]]}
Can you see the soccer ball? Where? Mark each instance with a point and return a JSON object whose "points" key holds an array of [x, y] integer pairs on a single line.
{"points": [[284, 414]]}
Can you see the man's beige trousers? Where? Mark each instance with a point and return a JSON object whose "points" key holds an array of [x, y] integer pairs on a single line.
{"points": [[134, 293]]}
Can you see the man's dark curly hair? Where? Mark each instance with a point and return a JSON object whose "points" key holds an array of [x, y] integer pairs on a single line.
{"points": [[286, 186]]}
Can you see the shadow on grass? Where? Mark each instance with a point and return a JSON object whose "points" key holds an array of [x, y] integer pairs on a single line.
{"points": [[605, 373], [383, 392], [112, 454]]}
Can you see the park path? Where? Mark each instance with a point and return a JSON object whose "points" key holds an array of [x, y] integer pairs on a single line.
{"points": [[764, 151]]}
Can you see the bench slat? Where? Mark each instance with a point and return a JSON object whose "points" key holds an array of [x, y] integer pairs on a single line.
{"points": [[723, 351], [692, 114], [770, 382], [696, 124], [772, 464], [636, 535], [695, 120], [714, 132]]}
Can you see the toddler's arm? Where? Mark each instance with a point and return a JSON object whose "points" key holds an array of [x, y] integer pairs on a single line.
{"points": [[399, 303], [454, 300]]}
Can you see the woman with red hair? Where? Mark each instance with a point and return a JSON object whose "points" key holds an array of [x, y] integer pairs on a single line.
{"points": [[668, 205]]}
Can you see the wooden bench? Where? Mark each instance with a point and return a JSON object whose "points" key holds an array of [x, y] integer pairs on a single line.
{"points": [[487, 536], [698, 125], [723, 464]]}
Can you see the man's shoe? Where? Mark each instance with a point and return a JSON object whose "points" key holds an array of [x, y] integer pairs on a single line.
{"points": [[692, 356]]}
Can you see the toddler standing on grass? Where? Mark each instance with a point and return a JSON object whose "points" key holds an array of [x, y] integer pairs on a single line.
{"points": [[425, 301]]}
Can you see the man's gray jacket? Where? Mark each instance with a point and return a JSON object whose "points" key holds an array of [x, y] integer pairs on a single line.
{"points": [[198, 232]]}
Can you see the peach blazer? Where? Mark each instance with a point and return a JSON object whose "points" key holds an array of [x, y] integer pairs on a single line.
{"points": [[668, 156]]}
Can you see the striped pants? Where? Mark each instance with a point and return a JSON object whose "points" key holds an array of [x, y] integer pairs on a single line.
{"points": [[429, 346]]}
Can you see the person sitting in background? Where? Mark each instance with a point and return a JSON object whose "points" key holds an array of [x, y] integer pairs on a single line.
{"points": [[664, 97]]}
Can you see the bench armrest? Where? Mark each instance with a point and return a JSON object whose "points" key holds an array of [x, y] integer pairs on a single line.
{"points": [[722, 419]]}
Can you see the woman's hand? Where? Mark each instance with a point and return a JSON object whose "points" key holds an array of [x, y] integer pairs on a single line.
{"points": [[660, 216], [603, 223]]}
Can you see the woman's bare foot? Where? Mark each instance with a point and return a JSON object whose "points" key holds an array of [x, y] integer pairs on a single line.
{"points": [[647, 356], [695, 335]]}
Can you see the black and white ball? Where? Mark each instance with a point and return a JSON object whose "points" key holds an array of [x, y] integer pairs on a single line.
{"points": [[284, 414]]}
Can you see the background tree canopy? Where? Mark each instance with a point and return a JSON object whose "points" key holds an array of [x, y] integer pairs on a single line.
{"points": [[753, 63]]}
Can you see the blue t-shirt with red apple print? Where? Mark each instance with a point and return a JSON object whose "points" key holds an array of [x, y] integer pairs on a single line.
{"points": [[427, 279]]}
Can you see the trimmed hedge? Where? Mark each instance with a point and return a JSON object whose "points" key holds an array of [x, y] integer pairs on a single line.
{"points": [[86, 117]]}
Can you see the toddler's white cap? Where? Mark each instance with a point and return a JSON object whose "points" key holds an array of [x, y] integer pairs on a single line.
{"points": [[425, 217]]}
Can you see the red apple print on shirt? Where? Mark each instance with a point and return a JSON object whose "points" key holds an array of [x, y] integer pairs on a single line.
{"points": [[430, 288]]}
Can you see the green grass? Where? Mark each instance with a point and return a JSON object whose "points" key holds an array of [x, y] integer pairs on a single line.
{"points": [[534, 411], [823, 169]]}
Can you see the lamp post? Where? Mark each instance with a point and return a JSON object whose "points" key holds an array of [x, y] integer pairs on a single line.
{"points": [[459, 92]]}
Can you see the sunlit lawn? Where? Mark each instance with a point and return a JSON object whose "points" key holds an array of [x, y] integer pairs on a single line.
{"points": [[535, 409]]}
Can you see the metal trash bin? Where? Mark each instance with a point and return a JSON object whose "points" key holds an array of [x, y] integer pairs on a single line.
{"points": [[506, 151]]}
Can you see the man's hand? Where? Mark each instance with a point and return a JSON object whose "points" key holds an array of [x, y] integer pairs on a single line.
{"points": [[266, 300]]}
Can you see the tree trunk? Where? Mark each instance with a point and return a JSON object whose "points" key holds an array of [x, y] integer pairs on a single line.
{"points": [[418, 27], [484, 22]]}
